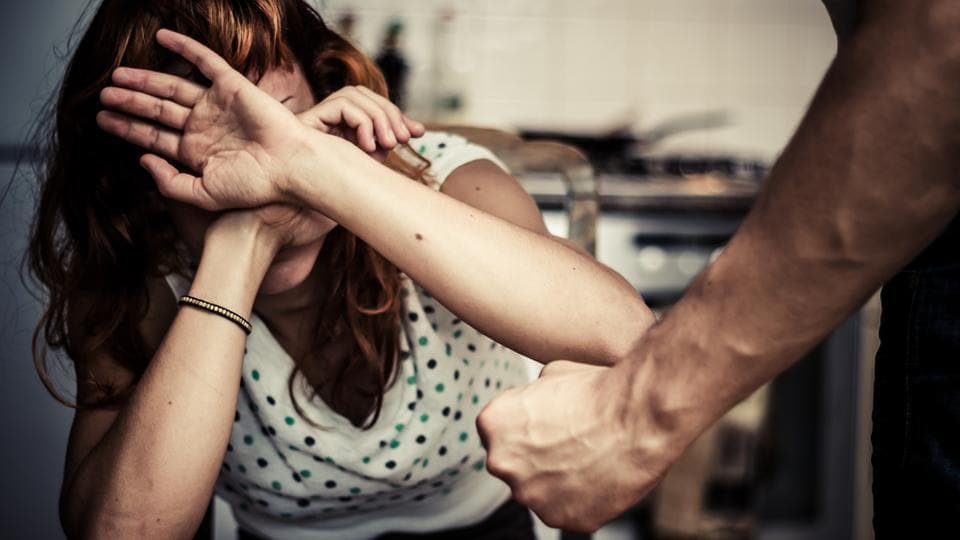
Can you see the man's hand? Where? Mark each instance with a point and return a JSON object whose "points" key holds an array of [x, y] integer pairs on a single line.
{"points": [[566, 445]]}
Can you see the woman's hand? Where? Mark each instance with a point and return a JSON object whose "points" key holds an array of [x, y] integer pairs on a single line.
{"points": [[364, 118], [239, 139]]}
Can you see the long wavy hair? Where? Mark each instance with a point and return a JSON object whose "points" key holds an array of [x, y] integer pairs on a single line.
{"points": [[101, 229]]}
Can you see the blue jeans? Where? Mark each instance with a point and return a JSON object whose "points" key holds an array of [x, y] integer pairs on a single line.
{"points": [[916, 408]]}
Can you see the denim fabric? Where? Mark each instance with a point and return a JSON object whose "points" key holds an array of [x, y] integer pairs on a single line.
{"points": [[916, 409]]}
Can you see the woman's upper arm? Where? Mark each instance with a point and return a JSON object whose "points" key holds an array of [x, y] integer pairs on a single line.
{"points": [[483, 184]]}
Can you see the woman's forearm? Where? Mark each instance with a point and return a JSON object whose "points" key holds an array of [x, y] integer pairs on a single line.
{"points": [[523, 289], [152, 473]]}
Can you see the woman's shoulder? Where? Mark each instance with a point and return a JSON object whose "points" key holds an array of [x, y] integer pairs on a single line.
{"points": [[448, 151]]}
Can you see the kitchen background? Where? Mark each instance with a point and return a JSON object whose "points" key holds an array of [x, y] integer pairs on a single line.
{"points": [[672, 85]]}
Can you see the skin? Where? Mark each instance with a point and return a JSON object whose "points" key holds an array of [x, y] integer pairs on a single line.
{"points": [[867, 181], [279, 180]]}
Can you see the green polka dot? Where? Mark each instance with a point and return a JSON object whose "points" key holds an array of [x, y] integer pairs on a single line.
{"points": [[255, 374], [355, 490], [399, 427], [288, 515], [394, 443], [466, 361], [463, 436], [426, 461], [457, 334], [305, 473], [416, 461], [435, 326], [449, 350], [422, 149], [276, 485], [453, 472], [366, 459], [248, 439], [476, 399], [329, 460], [289, 420], [439, 387], [460, 397], [423, 340], [412, 379], [424, 417], [478, 466], [242, 469]]}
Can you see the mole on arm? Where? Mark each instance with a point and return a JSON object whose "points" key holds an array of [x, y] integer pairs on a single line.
{"points": [[419, 236]]}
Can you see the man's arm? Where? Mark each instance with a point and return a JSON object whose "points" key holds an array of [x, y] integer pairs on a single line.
{"points": [[869, 179]]}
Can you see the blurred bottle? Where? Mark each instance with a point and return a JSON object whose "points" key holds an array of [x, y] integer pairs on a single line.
{"points": [[393, 64]]}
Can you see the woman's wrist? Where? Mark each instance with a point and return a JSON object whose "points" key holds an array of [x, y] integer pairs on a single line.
{"points": [[237, 251], [314, 176]]}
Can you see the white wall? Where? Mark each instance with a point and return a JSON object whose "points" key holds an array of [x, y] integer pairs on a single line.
{"points": [[596, 64]]}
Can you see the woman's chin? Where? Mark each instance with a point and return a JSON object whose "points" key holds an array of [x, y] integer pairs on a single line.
{"points": [[287, 273]]}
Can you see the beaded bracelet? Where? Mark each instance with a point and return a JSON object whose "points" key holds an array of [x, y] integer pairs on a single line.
{"points": [[217, 310]]}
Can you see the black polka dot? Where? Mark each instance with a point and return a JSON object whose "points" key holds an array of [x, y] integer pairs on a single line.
{"points": [[412, 405], [438, 483], [404, 355], [487, 382], [330, 484], [264, 431], [428, 309], [471, 347], [442, 145], [442, 451], [229, 447], [431, 363], [309, 441], [271, 401], [226, 467], [303, 503], [345, 499], [261, 462], [413, 317], [272, 431], [296, 476], [457, 415], [465, 460], [236, 417], [391, 464], [420, 497], [455, 321], [421, 439], [263, 503], [383, 444], [445, 411], [456, 374], [407, 476], [318, 459]]}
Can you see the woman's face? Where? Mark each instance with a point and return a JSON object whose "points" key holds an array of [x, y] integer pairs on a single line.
{"points": [[309, 229]]}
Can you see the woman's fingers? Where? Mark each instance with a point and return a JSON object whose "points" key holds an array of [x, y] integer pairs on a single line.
{"points": [[177, 185], [162, 111], [396, 116], [155, 139], [208, 62], [162, 85]]}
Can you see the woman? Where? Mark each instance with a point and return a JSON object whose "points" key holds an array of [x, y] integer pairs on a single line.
{"points": [[262, 208]]}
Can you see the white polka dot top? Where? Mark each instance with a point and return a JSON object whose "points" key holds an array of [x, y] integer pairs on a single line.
{"points": [[420, 468]]}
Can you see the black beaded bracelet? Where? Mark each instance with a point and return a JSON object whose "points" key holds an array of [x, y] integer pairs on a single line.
{"points": [[217, 310]]}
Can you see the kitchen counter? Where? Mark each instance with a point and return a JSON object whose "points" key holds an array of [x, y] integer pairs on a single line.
{"points": [[617, 192]]}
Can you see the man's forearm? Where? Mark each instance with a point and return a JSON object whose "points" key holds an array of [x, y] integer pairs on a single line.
{"points": [[869, 179]]}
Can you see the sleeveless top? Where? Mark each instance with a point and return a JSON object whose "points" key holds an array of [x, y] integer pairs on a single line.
{"points": [[420, 468]]}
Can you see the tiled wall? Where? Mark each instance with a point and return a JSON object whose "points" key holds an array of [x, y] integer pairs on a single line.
{"points": [[594, 65]]}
